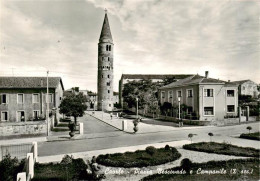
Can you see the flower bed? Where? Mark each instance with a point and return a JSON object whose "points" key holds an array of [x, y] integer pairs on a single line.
{"points": [[251, 136], [223, 148], [140, 158]]}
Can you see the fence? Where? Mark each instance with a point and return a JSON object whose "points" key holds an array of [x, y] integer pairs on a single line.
{"points": [[19, 150]]}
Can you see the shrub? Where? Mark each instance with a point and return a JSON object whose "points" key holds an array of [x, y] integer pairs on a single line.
{"points": [[186, 164], [10, 167], [249, 128], [167, 147], [150, 150], [67, 159]]}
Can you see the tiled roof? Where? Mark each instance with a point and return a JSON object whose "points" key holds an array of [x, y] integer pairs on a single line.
{"points": [[29, 82], [154, 76], [240, 81], [194, 79]]}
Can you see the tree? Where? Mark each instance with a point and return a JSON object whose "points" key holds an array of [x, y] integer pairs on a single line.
{"points": [[249, 128], [190, 136], [73, 105], [166, 107], [210, 135]]}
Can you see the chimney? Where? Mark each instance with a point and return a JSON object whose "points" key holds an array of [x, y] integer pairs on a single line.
{"points": [[206, 74]]}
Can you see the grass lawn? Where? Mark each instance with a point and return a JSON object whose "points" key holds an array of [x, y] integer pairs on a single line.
{"points": [[241, 169], [223, 148], [140, 158], [251, 136]]}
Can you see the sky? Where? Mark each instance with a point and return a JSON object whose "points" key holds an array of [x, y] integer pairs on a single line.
{"points": [[150, 37]]}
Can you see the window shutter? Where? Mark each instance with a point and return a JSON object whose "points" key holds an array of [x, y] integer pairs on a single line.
{"points": [[7, 98]]}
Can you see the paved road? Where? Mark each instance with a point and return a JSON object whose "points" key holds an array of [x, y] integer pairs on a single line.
{"points": [[124, 139], [92, 125]]}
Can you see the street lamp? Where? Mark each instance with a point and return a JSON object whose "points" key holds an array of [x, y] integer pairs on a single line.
{"points": [[137, 108], [179, 100], [102, 108]]}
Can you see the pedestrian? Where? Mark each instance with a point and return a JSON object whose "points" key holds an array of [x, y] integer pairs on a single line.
{"points": [[111, 115]]}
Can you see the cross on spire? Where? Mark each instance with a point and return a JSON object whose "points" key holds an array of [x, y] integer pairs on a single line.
{"points": [[106, 10]]}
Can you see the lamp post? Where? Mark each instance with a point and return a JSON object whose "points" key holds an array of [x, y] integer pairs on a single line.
{"points": [[137, 108], [47, 102], [179, 100], [102, 109]]}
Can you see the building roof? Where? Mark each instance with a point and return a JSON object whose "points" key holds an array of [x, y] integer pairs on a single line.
{"points": [[194, 79], [30, 82], [105, 32], [240, 81], [154, 76]]}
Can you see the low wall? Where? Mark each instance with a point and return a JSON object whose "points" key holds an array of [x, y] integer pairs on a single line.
{"points": [[17, 129]]}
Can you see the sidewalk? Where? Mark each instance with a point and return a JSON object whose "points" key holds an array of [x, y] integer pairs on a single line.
{"points": [[90, 154], [143, 127]]}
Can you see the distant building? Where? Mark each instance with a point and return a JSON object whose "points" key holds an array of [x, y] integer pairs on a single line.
{"points": [[24, 99], [247, 87], [116, 98], [125, 78], [209, 99]]}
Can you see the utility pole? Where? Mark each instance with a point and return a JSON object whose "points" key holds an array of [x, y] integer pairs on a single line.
{"points": [[47, 102]]}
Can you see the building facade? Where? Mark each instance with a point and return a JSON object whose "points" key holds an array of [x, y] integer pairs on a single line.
{"points": [[247, 87], [105, 68], [209, 99], [25, 99]]}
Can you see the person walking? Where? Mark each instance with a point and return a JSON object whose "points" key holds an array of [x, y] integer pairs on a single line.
{"points": [[111, 115]]}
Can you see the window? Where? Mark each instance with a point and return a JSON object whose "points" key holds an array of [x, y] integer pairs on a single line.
{"points": [[20, 98], [178, 93], [107, 76], [36, 114], [163, 95], [4, 116], [108, 91], [108, 83], [170, 94], [50, 98], [230, 108], [208, 92], [36, 98], [109, 105], [244, 88], [20, 116], [109, 47], [230, 93], [4, 99], [189, 109], [189, 93], [108, 59], [208, 111]]}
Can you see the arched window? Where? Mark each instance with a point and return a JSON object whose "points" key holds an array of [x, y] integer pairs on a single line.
{"points": [[107, 76], [108, 59], [109, 47], [106, 47]]}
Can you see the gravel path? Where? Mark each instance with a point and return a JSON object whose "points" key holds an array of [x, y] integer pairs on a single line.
{"points": [[127, 174]]}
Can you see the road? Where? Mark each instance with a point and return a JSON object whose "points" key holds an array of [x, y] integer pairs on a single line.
{"points": [[120, 139]]}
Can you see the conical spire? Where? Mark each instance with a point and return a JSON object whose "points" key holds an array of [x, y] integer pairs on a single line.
{"points": [[105, 35]]}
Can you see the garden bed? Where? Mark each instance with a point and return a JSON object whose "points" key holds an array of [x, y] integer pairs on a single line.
{"points": [[251, 136], [223, 148], [245, 169], [140, 158]]}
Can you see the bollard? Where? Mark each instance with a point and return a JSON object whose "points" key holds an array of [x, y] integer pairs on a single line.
{"points": [[81, 128], [30, 164], [124, 125], [21, 176], [35, 151]]}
